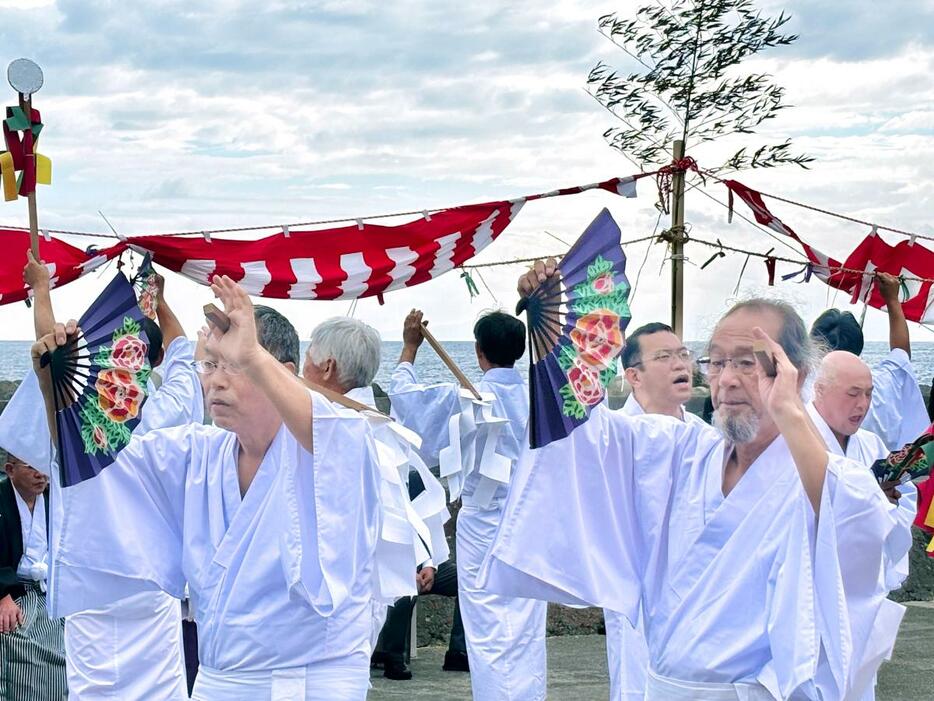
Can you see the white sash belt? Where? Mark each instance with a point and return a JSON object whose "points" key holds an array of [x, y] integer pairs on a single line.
{"points": [[659, 688]]}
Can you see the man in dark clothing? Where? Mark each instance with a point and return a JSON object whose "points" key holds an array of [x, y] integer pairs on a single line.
{"points": [[393, 642], [32, 646]]}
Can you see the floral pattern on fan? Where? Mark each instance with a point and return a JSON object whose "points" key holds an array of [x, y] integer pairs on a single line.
{"points": [[589, 361], [120, 391]]}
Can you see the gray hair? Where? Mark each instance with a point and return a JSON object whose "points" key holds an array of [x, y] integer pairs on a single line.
{"points": [[793, 338], [276, 334], [353, 345]]}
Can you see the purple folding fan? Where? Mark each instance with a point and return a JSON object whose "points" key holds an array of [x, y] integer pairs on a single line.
{"points": [[577, 321], [99, 382]]}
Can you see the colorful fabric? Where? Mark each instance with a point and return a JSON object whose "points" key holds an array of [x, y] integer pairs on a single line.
{"points": [[346, 262], [33, 167], [572, 363], [855, 275]]}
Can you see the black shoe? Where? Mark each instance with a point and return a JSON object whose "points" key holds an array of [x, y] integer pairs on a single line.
{"points": [[378, 659], [397, 670], [455, 661]]}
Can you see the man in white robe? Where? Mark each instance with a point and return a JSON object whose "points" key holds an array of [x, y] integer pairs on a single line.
{"points": [[842, 396], [270, 516], [505, 635], [344, 356], [747, 594], [658, 367], [130, 648], [897, 413]]}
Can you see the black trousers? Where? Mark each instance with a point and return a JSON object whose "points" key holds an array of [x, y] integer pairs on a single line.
{"points": [[394, 638]]}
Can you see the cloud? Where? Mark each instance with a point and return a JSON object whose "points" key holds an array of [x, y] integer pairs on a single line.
{"points": [[190, 115]]}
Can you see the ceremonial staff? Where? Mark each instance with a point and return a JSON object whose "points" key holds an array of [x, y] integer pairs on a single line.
{"points": [[26, 78]]}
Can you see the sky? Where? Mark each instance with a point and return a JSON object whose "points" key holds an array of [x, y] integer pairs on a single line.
{"points": [[170, 116]]}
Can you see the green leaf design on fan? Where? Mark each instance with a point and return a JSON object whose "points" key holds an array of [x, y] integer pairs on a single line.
{"points": [[100, 433], [571, 406]]}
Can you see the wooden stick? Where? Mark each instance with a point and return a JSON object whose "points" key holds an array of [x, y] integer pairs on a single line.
{"points": [[220, 320], [452, 366], [765, 357], [26, 106]]}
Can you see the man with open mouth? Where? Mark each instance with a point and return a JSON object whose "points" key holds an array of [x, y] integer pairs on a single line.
{"points": [[658, 368]]}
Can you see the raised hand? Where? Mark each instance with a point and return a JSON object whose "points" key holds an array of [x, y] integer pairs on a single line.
{"points": [[412, 329], [35, 274], [889, 286], [60, 335], [239, 345], [780, 394], [540, 271]]}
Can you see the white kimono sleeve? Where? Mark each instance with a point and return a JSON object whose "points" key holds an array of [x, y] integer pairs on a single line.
{"points": [[897, 413], [856, 622], [425, 409], [120, 532], [178, 400], [24, 428], [583, 514], [331, 511]]}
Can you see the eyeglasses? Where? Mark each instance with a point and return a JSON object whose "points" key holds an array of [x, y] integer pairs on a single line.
{"points": [[208, 367], [742, 364], [682, 354]]}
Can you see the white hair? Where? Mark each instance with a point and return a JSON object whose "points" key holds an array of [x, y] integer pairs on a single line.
{"points": [[353, 345]]}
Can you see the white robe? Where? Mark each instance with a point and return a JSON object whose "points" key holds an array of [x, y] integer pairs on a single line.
{"points": [[281, 580], [897, 413], [746, 589], [505, 635], [865, 447], [130, 648], [626, 650]]}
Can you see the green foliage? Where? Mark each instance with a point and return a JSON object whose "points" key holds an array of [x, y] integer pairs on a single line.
{"points": [[687, 85], [92, 416], [566, 355], [571, 407]]}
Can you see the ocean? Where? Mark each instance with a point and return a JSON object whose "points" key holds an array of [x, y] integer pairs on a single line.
{"points": [[14, 360]]}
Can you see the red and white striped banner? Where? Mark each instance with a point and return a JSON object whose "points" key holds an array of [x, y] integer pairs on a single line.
{"points": [[347, 262], [906, 259]]}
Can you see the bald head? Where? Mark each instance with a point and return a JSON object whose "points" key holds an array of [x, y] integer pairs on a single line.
{"points": [[843, 391]]}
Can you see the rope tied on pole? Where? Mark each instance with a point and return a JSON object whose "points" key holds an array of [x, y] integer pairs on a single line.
{"points": [[664, 177]]}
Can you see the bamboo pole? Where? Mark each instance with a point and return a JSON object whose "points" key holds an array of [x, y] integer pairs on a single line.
{"points": [[677, 243], [452, 366]]}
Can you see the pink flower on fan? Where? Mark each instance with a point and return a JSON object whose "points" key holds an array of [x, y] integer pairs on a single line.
{"points": [[129, 352], [603, 284], [598, 338], [119, 395], [585, 383]]}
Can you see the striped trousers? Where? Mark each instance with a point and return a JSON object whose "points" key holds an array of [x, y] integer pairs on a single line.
{"points": [[32, 657]]}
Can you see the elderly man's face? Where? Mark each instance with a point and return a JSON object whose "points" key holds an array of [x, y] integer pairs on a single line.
{"points": [[233, 402], [28, 481], [843, 399], [739, 412]]}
